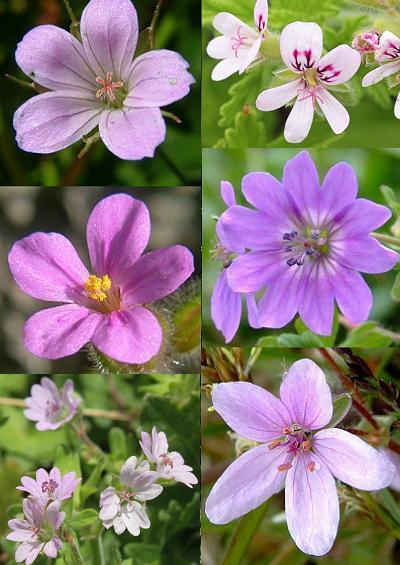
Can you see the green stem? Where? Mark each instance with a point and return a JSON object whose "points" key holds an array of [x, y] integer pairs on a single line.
{"points": [[153, 23], [98, 550], [70, 12], [384, 238], [243, 535], [173, 167], [69, 538]]}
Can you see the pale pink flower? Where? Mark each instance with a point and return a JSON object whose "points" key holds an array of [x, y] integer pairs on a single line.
{"points": [[366, 42], [301, 49], [239, 44], [50, 486]]}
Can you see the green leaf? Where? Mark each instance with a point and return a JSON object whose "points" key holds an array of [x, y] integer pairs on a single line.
{"points": [[84, 519], [242, 10], [143, 553], [368, 334], [389, 502], [91, 486], [341, 407], [326, 341], [395, 292], [391, 199], [268, 341], [284, 12], [67, 460], [4, 420], [248, 131], [187, 325], [118, 443], [305, 339]]}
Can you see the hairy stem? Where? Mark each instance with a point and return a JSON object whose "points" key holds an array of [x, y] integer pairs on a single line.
{"points": [[389, 239], [69, 538], [153, 23], [70, 12]]}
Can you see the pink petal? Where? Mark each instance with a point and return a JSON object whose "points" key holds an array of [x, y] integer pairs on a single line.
{"points": [[359, 218], [389, 47], [316, 304], [311, 506], [381, 72], [253, 271], [307, 396], [274, 98], [300, 119], [339, 190], [158, 78], [22, 552], [47, 266], [54, 120], [225, 69], [57, 332], [335, 113], [251, 411], [339, 65], [62, 67], [117, 233], [279, 304], [365, 254], [132, 133], [247, 57], [353, 295], [248, 482], [301, 182], [220, 47], [132, 336], [226, 307], [227, 193], [267, 194], [301, 45], [261, 14], [109, 30], [352, 460], [227, 24]]}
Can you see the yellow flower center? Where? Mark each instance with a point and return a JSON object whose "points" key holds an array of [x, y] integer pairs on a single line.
{"points": [[98, 287]]}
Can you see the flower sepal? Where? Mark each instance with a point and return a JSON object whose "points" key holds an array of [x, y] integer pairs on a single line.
{"points": [[270, 49]]}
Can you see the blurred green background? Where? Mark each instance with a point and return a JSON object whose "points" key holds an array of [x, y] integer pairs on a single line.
{"points": [[177, 161], [159, 400], [373, 167], [175, 219]]}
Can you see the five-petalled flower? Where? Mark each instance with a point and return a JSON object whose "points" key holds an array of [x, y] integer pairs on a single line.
{"points": [[50, 486]]}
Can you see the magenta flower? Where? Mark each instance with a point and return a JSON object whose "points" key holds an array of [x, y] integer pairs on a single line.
{"points": [[307, 243], [37, 532], [292, 455], [107, 306], [169, 465], [50, 486], [49, 407], [97, 83]]}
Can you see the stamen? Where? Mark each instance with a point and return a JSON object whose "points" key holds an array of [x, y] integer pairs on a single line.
{"points": [[97, 288], [108, 87], [284, 467], [305, 445], [238, 41], [289, 236], [275, 443], [311, 466], [49, 486]]}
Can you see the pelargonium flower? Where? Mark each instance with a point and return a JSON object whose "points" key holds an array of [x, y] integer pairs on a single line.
{"points": [[121, 509], [296, 452], [97, 83], [307, 245], [37, 532], [107, 306], [388, 55], [50, 486], [366, 42], [50, 407], [239, 44], [169, 465], [301, 49], [226, 305]]}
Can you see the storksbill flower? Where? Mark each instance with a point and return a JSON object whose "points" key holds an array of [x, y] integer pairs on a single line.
{"points": [[50, 486], [106, 306], [307, 245], [301, 50], [97, 83], [293, 455]]}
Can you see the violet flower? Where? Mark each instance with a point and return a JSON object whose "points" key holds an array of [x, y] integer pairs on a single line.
{"points": [[169, 465], [301, 50], [50, 407], [292, 455], [239, 44], [50, 486], [307, 245], [97, 83], [107, 306], [37, 532], [121, 509]]}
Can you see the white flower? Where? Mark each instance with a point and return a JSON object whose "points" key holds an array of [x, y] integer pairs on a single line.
{"points": [[239, 45], [121, 509], [301, 49], [388, 54]]}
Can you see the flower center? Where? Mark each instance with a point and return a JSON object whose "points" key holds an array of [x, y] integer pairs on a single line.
{"points": [[167, 461], [106, 296], [111, 91], [297, 441], [55, 411], [49, 486], [310, 246], [238, 41]]}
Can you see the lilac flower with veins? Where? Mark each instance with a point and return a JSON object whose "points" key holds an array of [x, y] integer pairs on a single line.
{"points": [[226, 305], [239, 44], [122, 509], [50, 486], [37, 533], [97, 83], [50, 407], [296, 452], [301, 49], [388, 55], [108, 307], [307, 245], [169, 464]]}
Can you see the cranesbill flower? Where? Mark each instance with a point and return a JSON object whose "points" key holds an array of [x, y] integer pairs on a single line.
{"points": [[301, 50], [388, 55], [50, 486], [106, 306], [239, 44], [97, 83], [50, 407], [293, 455], [169, 465], [121, 509], [37, 532], [307, 245]]}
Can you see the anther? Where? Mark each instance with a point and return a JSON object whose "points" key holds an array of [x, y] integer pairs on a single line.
{"points": [[292, 261], [305, 445], [108, 87], [311, 466], [289, 236], [273, 444], [284, 467]]}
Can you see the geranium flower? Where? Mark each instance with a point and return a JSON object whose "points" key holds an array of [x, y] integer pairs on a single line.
{"points": [[107, 306], [301, 49], [50, 486], [37, 532], [307, 245], [169, 465], [366, 42], [293, 455], [388, 55], [226, 305], [97, 83], [49, 407], [239, 45], [122, 509]]}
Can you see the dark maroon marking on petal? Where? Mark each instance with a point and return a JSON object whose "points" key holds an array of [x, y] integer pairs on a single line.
{"points": [[395, 53]]}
